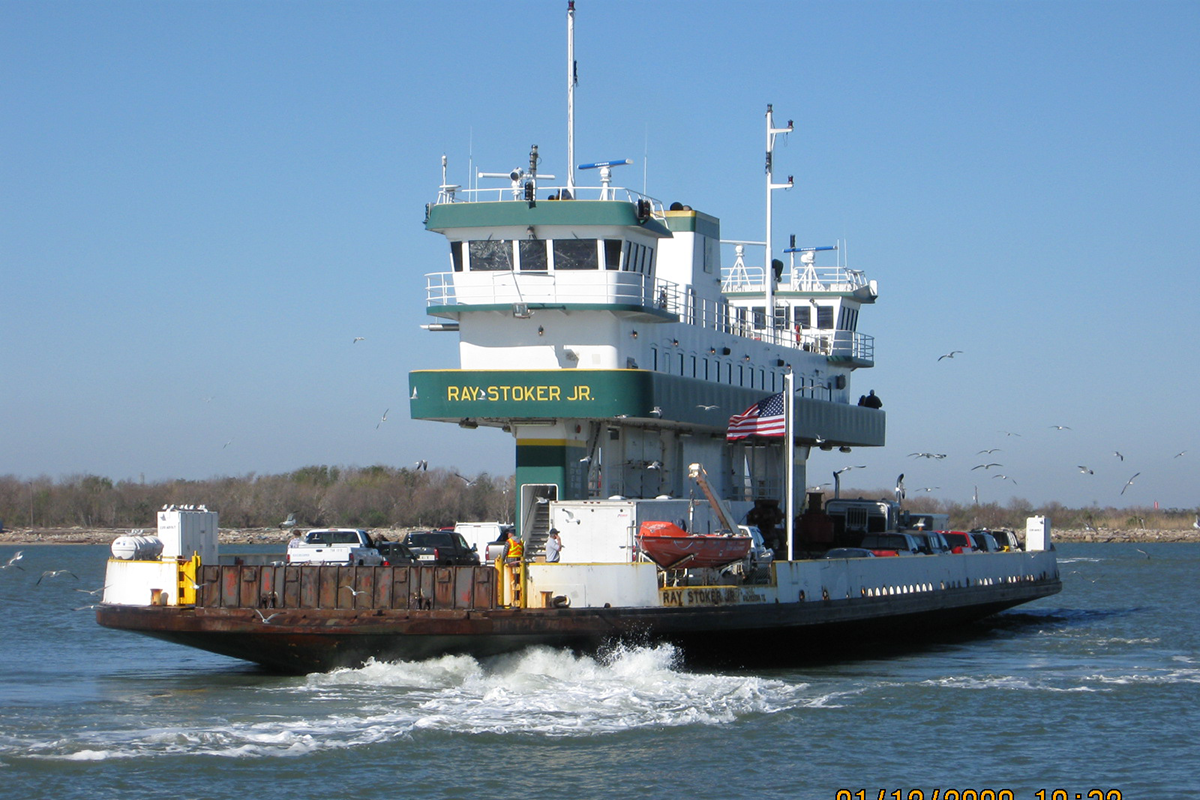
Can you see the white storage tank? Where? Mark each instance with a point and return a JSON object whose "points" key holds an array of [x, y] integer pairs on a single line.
{"points": [[136, 547]]}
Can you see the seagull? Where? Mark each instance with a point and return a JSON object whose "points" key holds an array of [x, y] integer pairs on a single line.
{"points": [[1118, 455], [227, 444], [819, 439], [927, 488], [1129, 482], [382, 419], [1143, 552], [1085, 470], [989, 451], [422, 465], [1009, 433], [654, 465], [464, 480], [1006, 478], [12, 562], [85, 608], [358, 339], [353, 591], [656, 411], [1196, 524], [290, 522], [938, 456], [707, 408], [847, 469], [265, 619], [986, 466], [1177, 455], [1060, 427], [92, 592], [951, 354], [585, 459], [50, 573]]}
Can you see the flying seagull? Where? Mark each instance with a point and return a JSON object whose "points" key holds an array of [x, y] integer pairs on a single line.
{"points": [[707, 408], [986, 466], [382, 419], [464, 480], [1129, 482], [847, 469], [265, 619], [654, 465], [656, 411], [1181, 452], [1006, 478], [50, 573], [1085, 470], [989, 451], [1009, 433], [422, 465], [12, 562], [1060, 427], [358, 339], [1118, 455], [949, 355], [353, 591]]}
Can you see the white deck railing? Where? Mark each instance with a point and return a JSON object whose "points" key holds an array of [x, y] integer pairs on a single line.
{"points": [[631, 289]]}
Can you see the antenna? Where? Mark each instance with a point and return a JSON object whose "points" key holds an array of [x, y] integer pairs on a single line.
{"points": [[768, 267], [572, 79], [605, 168]]}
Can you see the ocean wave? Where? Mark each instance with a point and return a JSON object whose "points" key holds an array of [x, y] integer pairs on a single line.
{"points": [[537, 693]]}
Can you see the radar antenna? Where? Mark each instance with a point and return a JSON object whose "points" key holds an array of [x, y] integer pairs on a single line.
{"points": [[605, 168]]}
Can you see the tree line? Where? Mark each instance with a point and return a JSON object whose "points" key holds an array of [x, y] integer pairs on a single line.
{"points": [[315, 496], [398, 497]]}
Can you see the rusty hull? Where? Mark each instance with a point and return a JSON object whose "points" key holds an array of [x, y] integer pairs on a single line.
{"points": [[300, 619]]}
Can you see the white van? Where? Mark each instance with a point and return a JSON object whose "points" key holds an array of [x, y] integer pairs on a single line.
{"points": [[480, 534]]}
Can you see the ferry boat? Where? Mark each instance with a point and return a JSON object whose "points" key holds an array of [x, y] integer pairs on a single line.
{"points": [[599, 328]]}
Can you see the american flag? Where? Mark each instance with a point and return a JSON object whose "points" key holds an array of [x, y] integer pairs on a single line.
{"points": [[764, 418]]}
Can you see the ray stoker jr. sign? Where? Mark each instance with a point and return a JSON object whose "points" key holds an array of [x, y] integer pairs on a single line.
{"points": [[455, 394]]}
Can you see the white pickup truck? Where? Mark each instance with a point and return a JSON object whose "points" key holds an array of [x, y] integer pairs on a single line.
{"points": [[335, 546]]}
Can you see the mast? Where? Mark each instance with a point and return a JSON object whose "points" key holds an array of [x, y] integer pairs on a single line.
{"points": [[789, 451], [768, 267], [571, 97]]}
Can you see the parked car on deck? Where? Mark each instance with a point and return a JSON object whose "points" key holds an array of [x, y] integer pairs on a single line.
{"points": [[849, 552], [396, 554], [892, 544], [444, 548], [985, 541], [959, 542], [1007, 539]]}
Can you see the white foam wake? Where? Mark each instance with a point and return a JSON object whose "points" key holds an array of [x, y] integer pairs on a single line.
{"points": [[537, 693]]}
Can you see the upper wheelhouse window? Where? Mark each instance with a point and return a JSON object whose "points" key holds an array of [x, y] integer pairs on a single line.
{"points": [[612, 253], [456, 250], [575, 254], [533, 255], [825, 317], [491, 254]]}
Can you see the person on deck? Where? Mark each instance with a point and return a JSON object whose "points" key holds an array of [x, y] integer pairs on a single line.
{"points": [[871, 401], [553, 547]]}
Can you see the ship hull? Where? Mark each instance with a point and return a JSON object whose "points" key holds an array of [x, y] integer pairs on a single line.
{"points": [[312, 640]]}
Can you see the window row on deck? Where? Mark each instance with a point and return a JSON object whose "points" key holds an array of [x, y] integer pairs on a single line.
{"points": [[545, 255]]}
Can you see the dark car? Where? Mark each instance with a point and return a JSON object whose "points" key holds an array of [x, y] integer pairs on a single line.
{"points": [[849, 552], [444, 548], [396, 554], [985, 542], [959, 542], [1007, 539], [891, 544]]}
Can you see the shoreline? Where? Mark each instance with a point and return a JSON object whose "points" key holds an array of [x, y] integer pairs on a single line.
{"points": [[275, 536]]}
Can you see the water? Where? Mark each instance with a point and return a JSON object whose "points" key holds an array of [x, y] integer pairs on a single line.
{"points": [[1094, 689]]}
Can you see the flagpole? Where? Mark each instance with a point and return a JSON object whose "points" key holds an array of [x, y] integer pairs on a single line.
{"points": [[790, 454]]}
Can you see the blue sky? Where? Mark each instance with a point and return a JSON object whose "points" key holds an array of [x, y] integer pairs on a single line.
{"points": [[204, 203]]}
